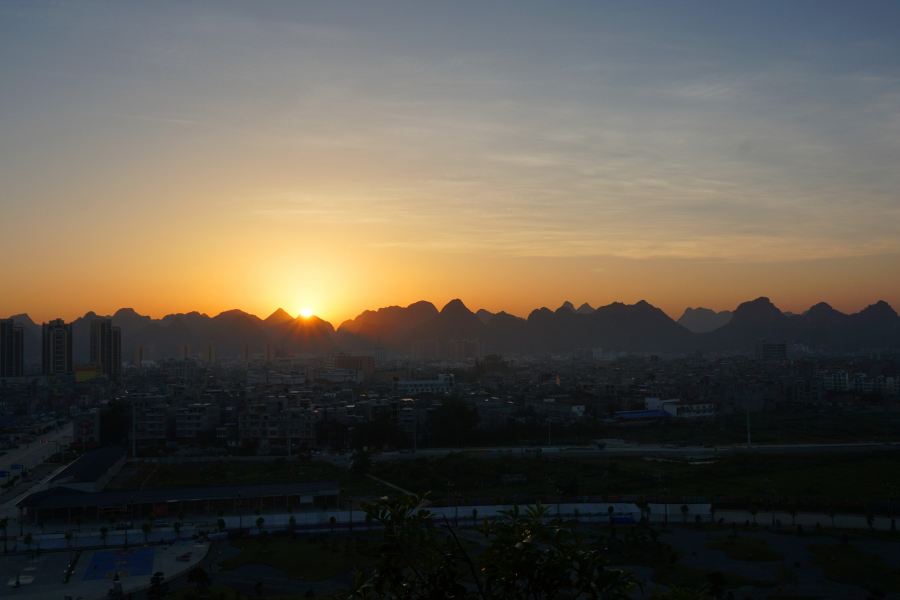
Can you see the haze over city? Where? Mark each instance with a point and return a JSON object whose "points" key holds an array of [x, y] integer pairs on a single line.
{"points": [[341, 157]]}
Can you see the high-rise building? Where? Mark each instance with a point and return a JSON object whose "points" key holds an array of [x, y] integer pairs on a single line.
{"points": [[246, 352], [269, 352], [56, 348], [106, 347], [12, 349], [139, 355], [209, 354], [184, 352]]}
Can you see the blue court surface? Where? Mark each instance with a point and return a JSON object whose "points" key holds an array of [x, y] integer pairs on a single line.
{"points": [[133, 562]]}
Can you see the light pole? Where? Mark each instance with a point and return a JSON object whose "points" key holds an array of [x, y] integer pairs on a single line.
{"points": [[659, 482]]}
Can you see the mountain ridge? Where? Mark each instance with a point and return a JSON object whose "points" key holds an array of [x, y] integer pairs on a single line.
{"points": [[639, 327]]}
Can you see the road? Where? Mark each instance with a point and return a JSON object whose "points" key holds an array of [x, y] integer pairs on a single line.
{"points": [[32, 454], [623, 448]]}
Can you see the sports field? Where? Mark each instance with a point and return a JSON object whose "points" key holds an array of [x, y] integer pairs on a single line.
{"points": [[134, 562]]}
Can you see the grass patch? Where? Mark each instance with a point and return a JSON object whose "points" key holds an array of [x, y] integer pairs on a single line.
{"points": [[302, 559], [848, 564], [744, 548], [844, 476]]}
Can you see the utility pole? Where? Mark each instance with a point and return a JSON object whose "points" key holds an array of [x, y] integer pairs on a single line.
{"points": [[748, 423], [133, 432]]}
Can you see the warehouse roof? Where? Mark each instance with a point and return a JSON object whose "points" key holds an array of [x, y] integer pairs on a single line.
{"points": [[90, 466]]}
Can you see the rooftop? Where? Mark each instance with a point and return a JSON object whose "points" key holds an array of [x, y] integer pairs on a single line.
{"points": [[90, 466], [69, 498]]}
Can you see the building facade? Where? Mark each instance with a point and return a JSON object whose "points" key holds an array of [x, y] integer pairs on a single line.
{"points": [[12, 349], [56, 348], [106, 347]]}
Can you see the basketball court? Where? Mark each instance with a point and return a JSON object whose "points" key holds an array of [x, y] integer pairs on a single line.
{"points": [[134, 562]]}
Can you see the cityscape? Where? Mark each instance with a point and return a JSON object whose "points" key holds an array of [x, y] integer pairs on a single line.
{"points": [[449, 301]]}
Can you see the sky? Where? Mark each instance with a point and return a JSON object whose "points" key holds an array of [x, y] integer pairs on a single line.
{"points": [[344, 156]]}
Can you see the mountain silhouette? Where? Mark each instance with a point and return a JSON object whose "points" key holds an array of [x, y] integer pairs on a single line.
{"points": [[484, 315], [455, 321], [702, 320], [387, 326], [639, 327]]}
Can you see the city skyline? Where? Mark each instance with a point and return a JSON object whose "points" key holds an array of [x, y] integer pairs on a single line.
{"points": [[342, 157]]}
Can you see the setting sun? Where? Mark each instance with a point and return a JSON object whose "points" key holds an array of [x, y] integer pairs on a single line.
{"points": [[306, 313]]}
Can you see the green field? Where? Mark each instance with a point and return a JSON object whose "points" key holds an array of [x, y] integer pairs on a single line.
{"points": [[825, 477], [817, 476]]}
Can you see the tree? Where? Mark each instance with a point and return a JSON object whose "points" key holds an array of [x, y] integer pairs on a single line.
{"points": [[753, 510], [361, 463], [221, 524], [159, 589], [793, 512], [292, 522], [28, 539], [832, 514], [103, 532], [684, 512], [146, 528], [265, 539], [332, 521], [177, 527], [526, 558], [259, 523], [200, 578], [610, 512]]}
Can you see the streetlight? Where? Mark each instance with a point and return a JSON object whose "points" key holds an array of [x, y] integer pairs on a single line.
{"points": [[659, 483], [240, 513], [350, 499]]}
